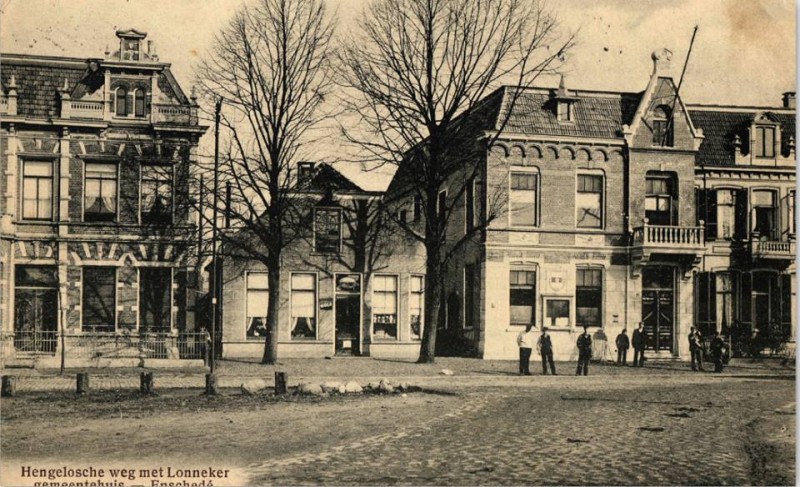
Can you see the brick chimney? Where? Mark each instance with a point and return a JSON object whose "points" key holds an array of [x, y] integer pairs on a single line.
{"points": [[789, 99]]}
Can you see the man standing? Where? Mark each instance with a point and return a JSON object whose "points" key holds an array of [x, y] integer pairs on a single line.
{"points": [[623, 342], [696, 349], [639, 339], [525, 343], [584, 351], [717, 351], [545, 346]]}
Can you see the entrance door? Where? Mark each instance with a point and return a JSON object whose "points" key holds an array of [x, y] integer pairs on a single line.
{"points": [[348, 314], [658, 308]]}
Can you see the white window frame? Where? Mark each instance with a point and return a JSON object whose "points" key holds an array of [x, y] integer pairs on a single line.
{"points": [[83, 191], [139, 294], [116, 298], [53, 189], [397, 310], [316, 307], [593, 267], [538, 199], [603, 199], [246, 293], [421, 303], [172, 190]]}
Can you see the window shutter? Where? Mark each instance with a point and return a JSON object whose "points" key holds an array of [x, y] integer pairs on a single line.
{"points": [[711, 214], [741, 214]]}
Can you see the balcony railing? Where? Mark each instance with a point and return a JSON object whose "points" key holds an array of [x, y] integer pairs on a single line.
{"points": [[668, 236], [92, 110], [772, 249], [171, 114]]}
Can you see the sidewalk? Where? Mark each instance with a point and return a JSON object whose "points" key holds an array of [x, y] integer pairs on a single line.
{"points": [[466, 372]]}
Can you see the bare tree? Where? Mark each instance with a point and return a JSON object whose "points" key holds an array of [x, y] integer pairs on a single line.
{"points": [[417, 68], [271, 67]]}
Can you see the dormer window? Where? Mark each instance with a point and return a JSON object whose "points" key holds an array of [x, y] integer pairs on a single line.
{"points": [[564, 111], [765, 141], [122, 102], [305, 172], [130, 49], [662, 126]]}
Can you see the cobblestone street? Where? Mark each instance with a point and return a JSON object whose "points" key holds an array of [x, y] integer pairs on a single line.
{"points": [[575, 431]]}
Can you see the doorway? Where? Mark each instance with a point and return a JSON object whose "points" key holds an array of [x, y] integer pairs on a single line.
{"points": [[658, 307], [35, 309], [348, 314]]}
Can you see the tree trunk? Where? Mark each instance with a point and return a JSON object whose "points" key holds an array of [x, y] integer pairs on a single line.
{"points": [[433, 295], [82, 383], [281, 378], [146, 384], [9, 386], [271, 340]]}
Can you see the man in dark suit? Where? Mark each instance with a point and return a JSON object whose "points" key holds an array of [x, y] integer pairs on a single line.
{"points": [[584, 352], [623, 343], [545, 346], [639, 340]]}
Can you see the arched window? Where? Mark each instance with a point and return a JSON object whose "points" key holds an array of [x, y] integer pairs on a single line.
{"points": [[122, 102], [139, 103], [662, 126]]}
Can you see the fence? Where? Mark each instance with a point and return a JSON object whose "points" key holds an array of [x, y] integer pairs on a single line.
{"points": [[139, 345]]}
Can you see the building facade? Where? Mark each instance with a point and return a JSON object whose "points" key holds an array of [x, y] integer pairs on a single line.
{"points": [[96, 223], [609, 209]]}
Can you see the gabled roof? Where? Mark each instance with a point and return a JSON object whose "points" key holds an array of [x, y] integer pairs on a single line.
{"points": [[326, 177], [722, 124]]}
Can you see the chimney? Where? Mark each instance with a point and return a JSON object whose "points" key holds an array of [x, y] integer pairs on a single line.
{"points": [[789, 99], [662, 61]]}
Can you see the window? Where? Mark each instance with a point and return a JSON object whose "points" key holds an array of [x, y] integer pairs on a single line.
{"points": [[327, 230], [417, 207], [589, 201], [589, 297], [469, 206], [155, 292], [304, 306], [564, 111], [523, 297], [100, 192], [792, 223], [130, 50], [764, 213], [99, 299], [706, 308], [471, 295], [139, 103], [37, 190], [402, 216], [662, 127], [522, 200], [659, 207], [156, 201], [122, 102], [556, 313], [384, 307], [257, 300], [305, 172], [415, 306], [726, 214], [765, 141]]}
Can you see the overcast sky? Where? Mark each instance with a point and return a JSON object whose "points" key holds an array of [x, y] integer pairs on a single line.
{"points": [[744, 52]]}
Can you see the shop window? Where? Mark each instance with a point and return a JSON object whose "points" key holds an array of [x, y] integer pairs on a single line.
{"points": [[327, 230], [522, 297], [304, 306], [384, 307], [416, 306], [156, 194], [523, 198], [37, 190], [589, 297], [556, 313], [257, 301], [661, 195], [100, 192], [589, 201], [155, 293], [99, 299]]}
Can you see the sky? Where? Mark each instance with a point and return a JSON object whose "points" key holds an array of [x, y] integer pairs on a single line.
{"points": [[744, 53]]}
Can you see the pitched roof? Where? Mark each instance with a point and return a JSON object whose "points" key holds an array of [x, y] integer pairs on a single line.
{"points": [[595, 115], [38, 83], [721, 126]]}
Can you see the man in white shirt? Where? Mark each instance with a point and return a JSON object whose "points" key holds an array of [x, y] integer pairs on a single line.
{"points": [[525, 341]]}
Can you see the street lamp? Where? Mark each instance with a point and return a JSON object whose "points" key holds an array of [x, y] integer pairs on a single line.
{"points": [[214, 260]]}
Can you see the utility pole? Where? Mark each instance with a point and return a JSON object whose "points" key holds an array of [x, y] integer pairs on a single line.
{"points": [[670, 122], [214, 266]]}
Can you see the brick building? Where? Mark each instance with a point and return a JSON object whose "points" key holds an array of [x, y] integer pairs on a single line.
{"points": [[351, 284], [615, 208], [95, 236]]}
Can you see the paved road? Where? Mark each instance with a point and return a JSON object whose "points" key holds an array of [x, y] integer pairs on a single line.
{"points": [[575, 432]]}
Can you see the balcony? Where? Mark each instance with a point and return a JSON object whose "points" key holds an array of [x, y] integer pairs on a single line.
{"points": [[90, 110], [683, 245], [772, 250], [173, 114]]}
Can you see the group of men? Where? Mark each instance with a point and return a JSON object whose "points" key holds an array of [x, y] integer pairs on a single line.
{"points": [[544, 345]]}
